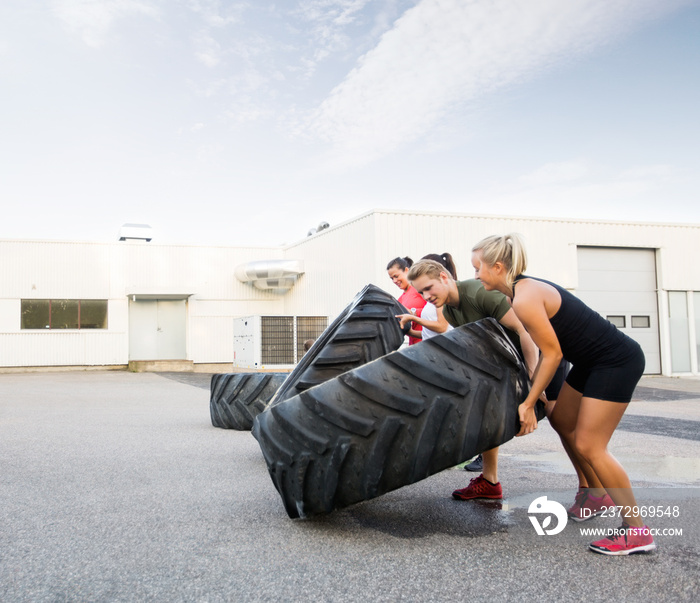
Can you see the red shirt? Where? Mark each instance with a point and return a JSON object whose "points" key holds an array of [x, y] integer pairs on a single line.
{"points": [[412, 300]]}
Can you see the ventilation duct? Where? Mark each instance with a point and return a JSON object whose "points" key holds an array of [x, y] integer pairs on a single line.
{"points": [[277, 276]]}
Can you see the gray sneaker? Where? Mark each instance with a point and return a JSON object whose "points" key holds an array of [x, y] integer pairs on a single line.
{"points": [[476, 465]]}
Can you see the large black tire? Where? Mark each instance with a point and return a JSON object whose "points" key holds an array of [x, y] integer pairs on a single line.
{"points": [[365, 330], [237, 398], [396, 420]]}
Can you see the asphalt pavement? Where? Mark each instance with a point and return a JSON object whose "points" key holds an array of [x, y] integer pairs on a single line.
{"points": [[114, 486]]}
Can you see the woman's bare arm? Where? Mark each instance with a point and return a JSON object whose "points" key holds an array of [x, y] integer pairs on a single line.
{"points": [[530, 308]]}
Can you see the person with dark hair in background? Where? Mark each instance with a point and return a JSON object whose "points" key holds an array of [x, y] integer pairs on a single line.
{"points": [[410, 298]]}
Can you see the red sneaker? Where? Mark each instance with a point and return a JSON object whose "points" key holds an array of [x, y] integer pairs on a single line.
{"points": [[587, 506], [479, 488], [625, 541]]}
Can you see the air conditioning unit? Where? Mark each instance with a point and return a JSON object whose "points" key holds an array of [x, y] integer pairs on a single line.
{"points": [[273, 342]]}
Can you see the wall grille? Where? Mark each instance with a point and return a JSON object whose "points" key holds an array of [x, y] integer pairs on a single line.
{"points": [[277, 339], [309, 327], [282, 337]]}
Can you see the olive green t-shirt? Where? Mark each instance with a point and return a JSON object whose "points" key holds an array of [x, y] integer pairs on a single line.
{"points": [[476, 303]]}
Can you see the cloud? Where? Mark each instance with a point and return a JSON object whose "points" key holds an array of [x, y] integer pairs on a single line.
{"points": [[552, 173], [326, 22], [650, 172], [92, 19], [581, 189], [329, 16], [207, 49], [330, 11], [215, 15], [442, 54]]}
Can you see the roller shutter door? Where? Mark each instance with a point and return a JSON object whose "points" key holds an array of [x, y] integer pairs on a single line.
{"points": [[620, 284]]}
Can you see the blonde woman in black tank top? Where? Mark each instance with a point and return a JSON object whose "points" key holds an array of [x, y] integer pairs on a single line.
{"points": [[606, 368]]}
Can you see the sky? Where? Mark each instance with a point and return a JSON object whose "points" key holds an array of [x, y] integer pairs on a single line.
{"points": [[250, 122]]}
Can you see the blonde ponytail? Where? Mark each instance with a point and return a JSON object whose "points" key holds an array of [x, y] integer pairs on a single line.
{"points": [[509, 250]]}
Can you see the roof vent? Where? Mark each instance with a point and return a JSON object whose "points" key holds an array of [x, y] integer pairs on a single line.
{"points": [[139, 232], [322, 226]]}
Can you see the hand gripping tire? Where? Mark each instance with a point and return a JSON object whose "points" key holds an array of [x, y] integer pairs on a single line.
{"points": [[365, 330], [396, 420], [237, 398]]}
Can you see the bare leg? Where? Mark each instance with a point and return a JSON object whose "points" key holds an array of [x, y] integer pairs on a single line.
{"points": [[490, 470], [563, 417], [597, 420], [549, 410]]}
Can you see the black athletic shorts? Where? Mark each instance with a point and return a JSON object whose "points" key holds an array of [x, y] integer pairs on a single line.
{"points": [[552, 390], [612, 381]]}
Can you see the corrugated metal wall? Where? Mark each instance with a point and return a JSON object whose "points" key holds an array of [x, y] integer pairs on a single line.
{"points": [[357, 252], [206, 271], [211, 326], [62, 349], [551, 246], [338, 262], [68, 270], [57, 270]]}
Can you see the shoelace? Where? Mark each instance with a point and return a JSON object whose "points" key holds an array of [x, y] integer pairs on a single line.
{"points": [[621, 535]]}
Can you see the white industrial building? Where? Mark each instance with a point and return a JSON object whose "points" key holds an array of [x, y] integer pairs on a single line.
{"points": [[81, 304]]}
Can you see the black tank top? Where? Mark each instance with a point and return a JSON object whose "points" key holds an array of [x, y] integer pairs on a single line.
{"points": [[585, 337]]}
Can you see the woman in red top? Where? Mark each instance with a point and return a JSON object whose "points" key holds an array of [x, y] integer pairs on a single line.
{"points": [[410, 298]]}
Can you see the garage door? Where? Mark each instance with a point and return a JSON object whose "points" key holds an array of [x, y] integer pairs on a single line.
{"points": [[620, 284]]}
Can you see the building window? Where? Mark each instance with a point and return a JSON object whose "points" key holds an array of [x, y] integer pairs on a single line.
{"points": [[64, 314], [618, 321], [696, 304], [679, 330], [641, 322]]}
